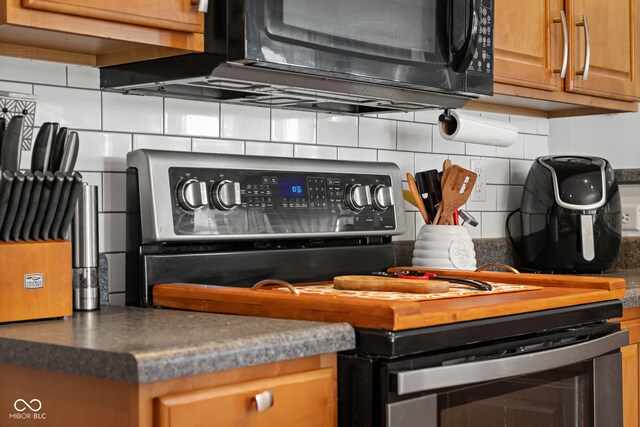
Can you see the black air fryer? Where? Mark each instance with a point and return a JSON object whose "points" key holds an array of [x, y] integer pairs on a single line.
{"points": [[571, 215]]}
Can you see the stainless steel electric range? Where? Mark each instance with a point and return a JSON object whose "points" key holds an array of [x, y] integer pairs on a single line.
{"points": [[234, 220]]}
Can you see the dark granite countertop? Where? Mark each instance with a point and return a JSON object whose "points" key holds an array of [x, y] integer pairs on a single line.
{"points": [[632, 296], [143, 345]]}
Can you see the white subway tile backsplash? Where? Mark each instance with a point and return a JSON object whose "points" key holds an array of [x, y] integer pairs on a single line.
{"points": [[357, 154], [315, 152], [245, 122], [441, 145], [220, 146], [102, 151], [543, 126], [114, 196], [254, 148], [480, 150], [425, 162], [462, 161], [508, 197], [377, 133], [337, 130], [428, 116], [417, 137], [157, 142], [126, 113], [489, 204], [514, 151], [38, 72], [293, 126], [117, 273], [519, 171], [111, 227], [525, 124], [17, 87], [496, 171], [81, 76], [493, 224], [72, 108], [535, 146], [405, 161], [191, 118], [410, 228]]}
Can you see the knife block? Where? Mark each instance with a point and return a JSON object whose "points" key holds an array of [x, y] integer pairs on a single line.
{"points": [[35, 280]]}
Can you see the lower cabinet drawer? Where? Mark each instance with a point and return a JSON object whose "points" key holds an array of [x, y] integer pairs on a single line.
{"points": [[306, 399]]}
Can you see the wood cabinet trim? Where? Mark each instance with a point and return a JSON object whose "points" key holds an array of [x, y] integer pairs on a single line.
{"points": [[91, 10]]}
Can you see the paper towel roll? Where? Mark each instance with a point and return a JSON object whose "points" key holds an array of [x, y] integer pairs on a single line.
{"points": [[478, 130]]}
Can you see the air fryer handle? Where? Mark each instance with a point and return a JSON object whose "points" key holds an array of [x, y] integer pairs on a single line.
{"points": [[586, 237], [460, 59]]}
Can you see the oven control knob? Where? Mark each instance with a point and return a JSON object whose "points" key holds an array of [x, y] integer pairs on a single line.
{"points": [[192, 195], [225, 195], [381, 197], [358, 196]]}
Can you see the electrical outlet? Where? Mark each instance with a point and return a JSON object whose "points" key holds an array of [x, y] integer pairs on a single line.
{"points": [[479, 192], [631, 217]]}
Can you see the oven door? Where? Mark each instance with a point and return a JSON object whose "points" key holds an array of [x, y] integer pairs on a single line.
{"points": [[426, 43], [576, 385]]}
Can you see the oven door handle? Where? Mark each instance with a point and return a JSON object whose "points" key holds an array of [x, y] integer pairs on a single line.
{"points": [[429, 379]]}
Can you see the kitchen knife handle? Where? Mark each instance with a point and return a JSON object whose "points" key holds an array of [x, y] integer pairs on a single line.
{"points": [[52, 205], [32, 209], [76, 187], [12, 208], [62, 205], [22, 206], [45, 194], [6, 183]]}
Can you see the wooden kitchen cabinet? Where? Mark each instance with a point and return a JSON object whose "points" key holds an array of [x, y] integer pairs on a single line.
{"points": [[631, 368], [100, 32], [529, 52], [304, 394]]}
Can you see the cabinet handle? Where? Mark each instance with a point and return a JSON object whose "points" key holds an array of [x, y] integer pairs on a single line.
{"points": [[587, 51], [263, 400], [203, 5], [565, 44]]}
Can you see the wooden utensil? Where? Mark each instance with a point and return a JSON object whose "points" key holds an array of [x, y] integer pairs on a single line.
{"points": [[418, 198], [408, 197], [456, 190], [390, 284], [445, 174]]}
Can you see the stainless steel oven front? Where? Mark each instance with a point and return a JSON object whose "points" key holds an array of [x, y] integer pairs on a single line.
{"points": [[567, 376]]}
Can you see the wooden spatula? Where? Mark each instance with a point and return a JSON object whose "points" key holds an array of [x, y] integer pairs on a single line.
{"points": [[389, 284], [418, 198], [455, 192]]}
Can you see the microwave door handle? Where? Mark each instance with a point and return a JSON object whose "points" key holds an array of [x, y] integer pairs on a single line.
{"points": [[429, 379], [461, 59]]}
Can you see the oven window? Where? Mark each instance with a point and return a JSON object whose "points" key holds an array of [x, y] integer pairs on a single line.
{"points": [[388, 29], [559, 398]]}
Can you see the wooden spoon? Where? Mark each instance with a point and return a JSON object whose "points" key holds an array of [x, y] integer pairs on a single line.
{"points": [[389, 284], [455, 192]]}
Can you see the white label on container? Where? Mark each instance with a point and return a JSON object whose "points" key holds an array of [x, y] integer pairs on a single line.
{"points": [[34, 281]]}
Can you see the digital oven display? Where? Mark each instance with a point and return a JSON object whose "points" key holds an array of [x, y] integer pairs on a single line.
{"points": [[292, 187]]}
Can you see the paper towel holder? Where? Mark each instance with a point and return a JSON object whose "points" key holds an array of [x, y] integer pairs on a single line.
{"points": [[448, 120]]}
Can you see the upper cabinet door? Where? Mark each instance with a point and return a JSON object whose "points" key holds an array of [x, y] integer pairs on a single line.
{"points": [[605, 34], [528, 44], [178, 15]]}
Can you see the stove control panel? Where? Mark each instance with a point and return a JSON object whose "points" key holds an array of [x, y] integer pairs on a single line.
{"points": [[216, 197], [215, 201]]}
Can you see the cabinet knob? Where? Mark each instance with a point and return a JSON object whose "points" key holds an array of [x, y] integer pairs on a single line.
{"points": [[263, 400]]}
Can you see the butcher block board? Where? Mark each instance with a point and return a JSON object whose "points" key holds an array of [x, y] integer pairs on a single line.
{"points": [[557, 291]]}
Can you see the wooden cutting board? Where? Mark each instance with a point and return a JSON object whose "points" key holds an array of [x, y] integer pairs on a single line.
{"points": [[558, 291]]}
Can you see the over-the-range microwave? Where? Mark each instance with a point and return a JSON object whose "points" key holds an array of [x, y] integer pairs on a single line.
{"points": [[350, 56]]}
